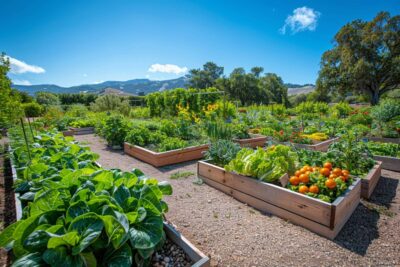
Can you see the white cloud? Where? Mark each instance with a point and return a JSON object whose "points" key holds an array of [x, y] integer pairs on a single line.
{"points": [[21, 82], [18, 67], [167, 68], [303, 19], [97, 82]]}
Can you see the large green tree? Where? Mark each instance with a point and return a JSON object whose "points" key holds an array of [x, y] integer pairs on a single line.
{"points": [[10, 107], [206, 77], [253, 88], [365, 58]]}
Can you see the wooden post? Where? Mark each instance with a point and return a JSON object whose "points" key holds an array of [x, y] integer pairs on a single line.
{"points": [[30, 127]]}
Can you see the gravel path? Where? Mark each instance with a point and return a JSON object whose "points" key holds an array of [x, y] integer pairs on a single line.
{"points": [[234, 234]]}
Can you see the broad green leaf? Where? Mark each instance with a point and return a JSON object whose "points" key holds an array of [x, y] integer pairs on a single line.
{"points": [[59, 257], [28, 196], [121, 257], [139, 174], [89, 259], [30, 260], [6, 235], [68, 239], [89, 227], [76, 209], [116, 229], [104, 179], [23, 229], [47, 201], [121, 194], [165, 188], [146, 234], [36, 241], [148, 200]]}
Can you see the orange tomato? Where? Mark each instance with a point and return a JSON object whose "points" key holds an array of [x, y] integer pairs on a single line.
{"points": [[297, 173], [337, 171], [304, 178], [294, 180], [315, 169], [332, 176], [330, 183], [324, 172], [344, 179], [345, 172], [314, 189], [309, 168], [308, 173], [328, 165], [303, 189]]}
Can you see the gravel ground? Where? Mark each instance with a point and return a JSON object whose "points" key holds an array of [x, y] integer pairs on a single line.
{"points": [[234, 234]]}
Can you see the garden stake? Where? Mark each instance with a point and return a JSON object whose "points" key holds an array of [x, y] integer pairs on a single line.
{"points": [[26, 139]]}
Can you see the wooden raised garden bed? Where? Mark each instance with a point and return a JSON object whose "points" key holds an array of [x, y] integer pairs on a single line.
{"points": [[199, 259], [385, 140], [255, 140], [369, 182], [159, 159], [389, 163], [317, 145], [68, 133], [325, 219], [81, 131]]}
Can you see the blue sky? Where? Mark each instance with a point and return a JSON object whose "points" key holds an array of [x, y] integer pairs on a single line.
{"points": [[78, 42]]}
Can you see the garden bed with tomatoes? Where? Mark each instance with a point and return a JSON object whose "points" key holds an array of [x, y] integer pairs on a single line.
{"points": [[317, 215]]}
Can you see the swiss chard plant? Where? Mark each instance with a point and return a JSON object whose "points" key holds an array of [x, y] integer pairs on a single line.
{"points": [[78, 214]]}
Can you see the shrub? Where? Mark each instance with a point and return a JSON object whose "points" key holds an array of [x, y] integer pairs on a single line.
{"points": [[115, 130], [140, 113], [32, 109], [47, 99], [139, 136], [77, 110], [341, 110], [111, 103]]}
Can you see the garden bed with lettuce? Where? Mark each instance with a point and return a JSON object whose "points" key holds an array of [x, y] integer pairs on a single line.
{"points": [[260, 178]]}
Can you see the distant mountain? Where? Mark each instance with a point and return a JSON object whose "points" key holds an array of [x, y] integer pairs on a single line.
{"points": [[305, 89], [131, 87], [294, 85]]}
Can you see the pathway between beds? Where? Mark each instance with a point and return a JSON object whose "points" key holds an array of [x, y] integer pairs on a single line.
{"points": [[233, 234]]}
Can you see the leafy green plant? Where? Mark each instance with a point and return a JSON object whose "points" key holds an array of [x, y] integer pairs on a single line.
{"points": [[139, 136], [341, 110], [384, 149], [266, 165], [221, 152], [79, 214], [171, 144], [351, 154], [217, 130], [115, 130], [32, 109]]}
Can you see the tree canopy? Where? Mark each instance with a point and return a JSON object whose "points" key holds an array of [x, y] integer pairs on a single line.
{"points": [[206, 77], [10, 105], [365, 59]]}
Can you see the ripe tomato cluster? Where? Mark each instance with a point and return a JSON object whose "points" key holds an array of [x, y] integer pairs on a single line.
{"points": [[324, 182]]}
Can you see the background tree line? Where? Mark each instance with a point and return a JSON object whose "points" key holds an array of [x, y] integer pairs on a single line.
{"points": [[254, 87]]}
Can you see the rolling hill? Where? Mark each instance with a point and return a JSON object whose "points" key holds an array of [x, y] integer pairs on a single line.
{"points": [[133, 87]]}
